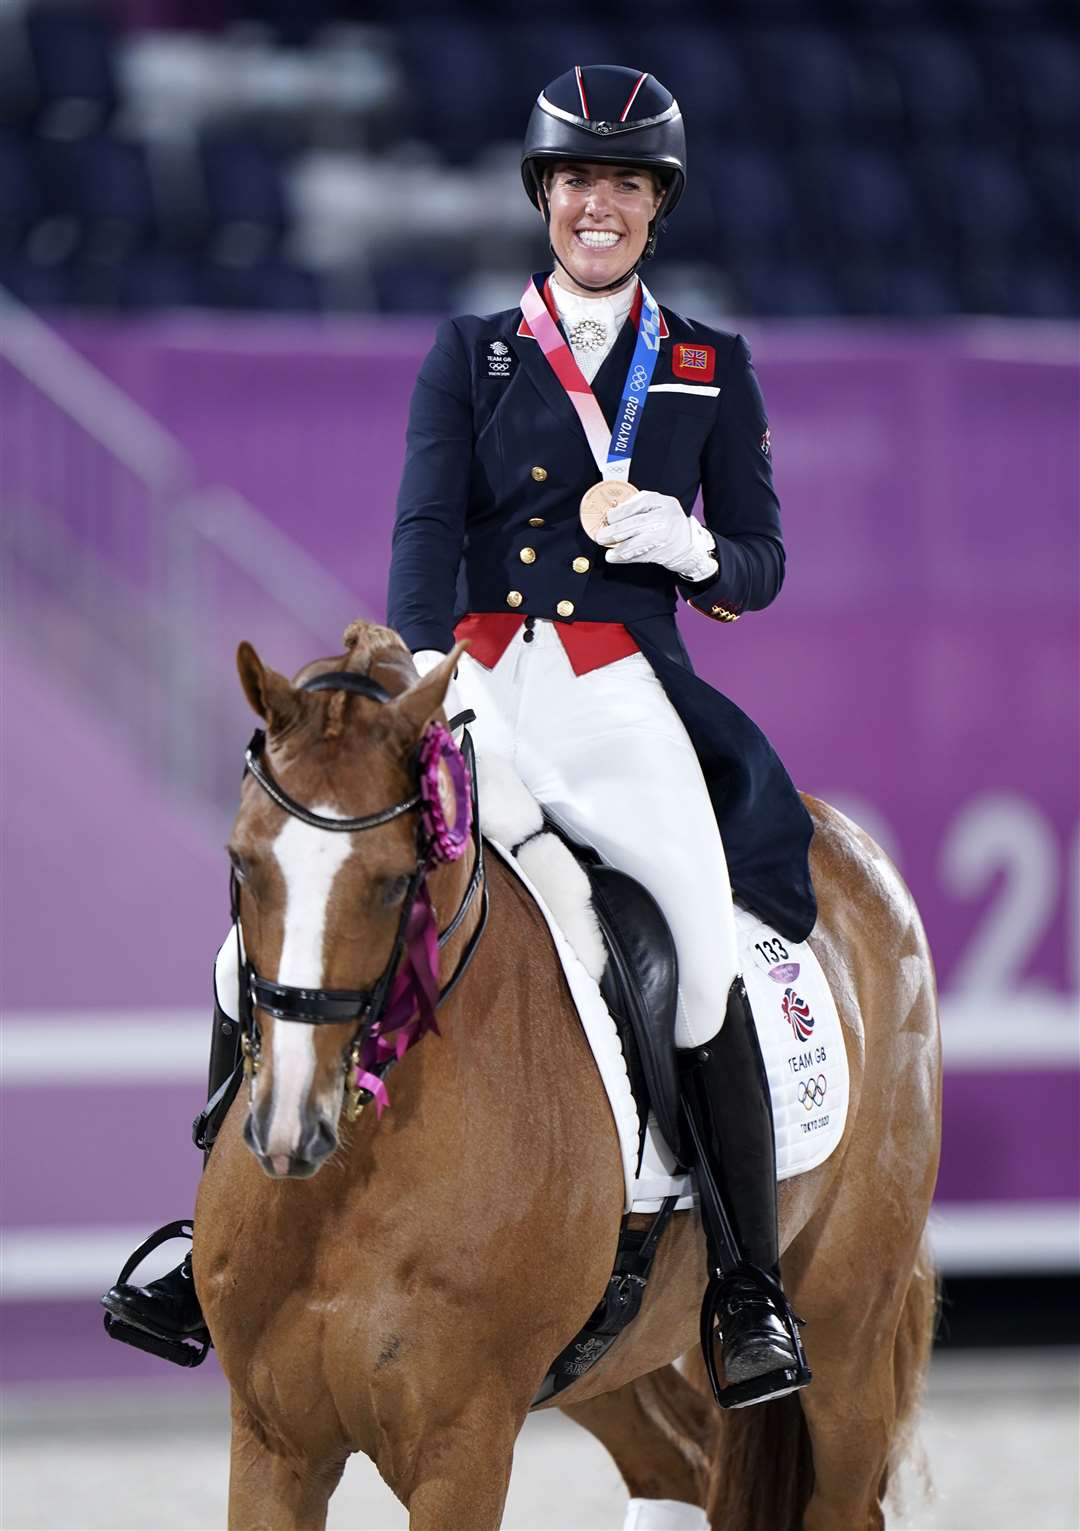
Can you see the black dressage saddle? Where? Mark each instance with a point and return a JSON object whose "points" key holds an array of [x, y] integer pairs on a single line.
{"points": [[639, 984]]}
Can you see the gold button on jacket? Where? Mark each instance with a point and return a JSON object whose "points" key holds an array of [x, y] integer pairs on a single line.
{"points": [[539, 474], [565, 608], [580, 566], [527, 555], [536, 520], [514, 597]]}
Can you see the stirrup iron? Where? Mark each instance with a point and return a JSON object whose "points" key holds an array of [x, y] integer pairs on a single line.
{"points": [[190, 1352], [769, 1385]]}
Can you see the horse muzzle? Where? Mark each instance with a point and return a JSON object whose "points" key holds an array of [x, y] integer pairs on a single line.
{"points": [[317, 1142]]}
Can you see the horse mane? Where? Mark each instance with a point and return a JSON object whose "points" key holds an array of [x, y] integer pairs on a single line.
{"points": [[366, 640], [372, 650]]}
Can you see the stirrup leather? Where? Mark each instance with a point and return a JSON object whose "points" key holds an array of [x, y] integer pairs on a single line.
{"points": [[774, 1384], [191, 1352]]}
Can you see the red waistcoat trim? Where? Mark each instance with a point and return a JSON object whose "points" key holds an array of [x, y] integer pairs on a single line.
{"points": [[588, 645]]}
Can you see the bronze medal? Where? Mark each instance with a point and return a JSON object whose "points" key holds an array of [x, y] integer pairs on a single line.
{"points": [[599, 499]]}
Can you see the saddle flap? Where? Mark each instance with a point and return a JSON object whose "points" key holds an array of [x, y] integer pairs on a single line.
{"points": [[640, 987]]}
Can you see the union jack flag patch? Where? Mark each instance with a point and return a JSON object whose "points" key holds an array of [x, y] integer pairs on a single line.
{"points": [[697, 364]]}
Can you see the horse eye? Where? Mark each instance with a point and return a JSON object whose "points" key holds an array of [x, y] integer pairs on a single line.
{"points": [[395, 888]]}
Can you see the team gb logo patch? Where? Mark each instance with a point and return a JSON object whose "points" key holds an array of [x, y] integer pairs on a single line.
{"points": [[499, 359], [797, 1014]]}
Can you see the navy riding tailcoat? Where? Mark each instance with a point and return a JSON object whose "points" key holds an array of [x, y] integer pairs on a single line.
{"points": [[487, 520]]}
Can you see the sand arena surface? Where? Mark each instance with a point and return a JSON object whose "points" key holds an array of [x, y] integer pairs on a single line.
{"points": [[999, 1433]]}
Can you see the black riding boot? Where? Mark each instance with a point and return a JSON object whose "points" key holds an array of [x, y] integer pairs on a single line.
{"points": [[725, 1095], [164, 1316], [168, 1307]]}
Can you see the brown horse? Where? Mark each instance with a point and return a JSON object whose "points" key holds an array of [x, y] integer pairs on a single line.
{"points": [[407, 1301]]}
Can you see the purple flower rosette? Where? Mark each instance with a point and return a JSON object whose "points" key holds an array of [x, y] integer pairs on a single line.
{"points": [[444, 784]]}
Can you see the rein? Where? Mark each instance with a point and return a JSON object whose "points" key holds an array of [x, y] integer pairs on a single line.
{"points": [[400, 1006]]}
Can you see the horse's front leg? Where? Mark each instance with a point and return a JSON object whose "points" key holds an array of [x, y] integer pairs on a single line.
{"points": [[459, 1472], [271, 1489]]}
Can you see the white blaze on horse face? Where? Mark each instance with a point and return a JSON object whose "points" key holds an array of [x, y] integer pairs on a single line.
{"points": [[310, 860]]}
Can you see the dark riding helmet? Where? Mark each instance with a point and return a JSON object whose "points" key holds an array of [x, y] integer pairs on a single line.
{"points": [[610, 115]]}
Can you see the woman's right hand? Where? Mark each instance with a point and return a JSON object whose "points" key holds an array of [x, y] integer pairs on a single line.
{"points": [[426, 659]]}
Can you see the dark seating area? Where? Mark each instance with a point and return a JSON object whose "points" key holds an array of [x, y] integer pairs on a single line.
{"points": [[895, 157]]}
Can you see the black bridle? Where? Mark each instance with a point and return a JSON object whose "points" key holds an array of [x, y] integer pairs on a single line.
{"points": [[324, 1007]]}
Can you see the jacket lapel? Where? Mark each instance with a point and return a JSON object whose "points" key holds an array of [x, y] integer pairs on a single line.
{"points": [[547, 384], [606, 385]]}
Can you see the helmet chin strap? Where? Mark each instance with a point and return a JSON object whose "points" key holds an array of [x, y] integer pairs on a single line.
{"points": [[607, 286]]}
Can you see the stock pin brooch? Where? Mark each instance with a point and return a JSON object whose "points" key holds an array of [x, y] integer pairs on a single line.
{"points": [[588, 335]]}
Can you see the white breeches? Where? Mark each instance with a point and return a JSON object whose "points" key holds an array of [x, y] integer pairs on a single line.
{"points": [[608, 757]]}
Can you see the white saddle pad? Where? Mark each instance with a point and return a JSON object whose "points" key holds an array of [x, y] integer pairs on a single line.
{"points": [[805, 1060], [801, 1042]]}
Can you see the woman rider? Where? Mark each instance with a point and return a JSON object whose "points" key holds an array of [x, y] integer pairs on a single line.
{"points": [[515, 421]]}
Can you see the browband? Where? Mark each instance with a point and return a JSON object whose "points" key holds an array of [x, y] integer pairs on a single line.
{"points": [[274, 790], [348, 680]]}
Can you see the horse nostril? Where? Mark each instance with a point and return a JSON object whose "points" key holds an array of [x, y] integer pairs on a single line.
{"points": [[320, 1141], [326, 1135], [252, 1137]]}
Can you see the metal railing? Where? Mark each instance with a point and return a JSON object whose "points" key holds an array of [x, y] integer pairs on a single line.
{"points": [[129, 581]]}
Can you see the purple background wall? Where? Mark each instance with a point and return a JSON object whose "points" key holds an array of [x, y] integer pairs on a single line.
{"points": [[919, 667], [922, 651]]}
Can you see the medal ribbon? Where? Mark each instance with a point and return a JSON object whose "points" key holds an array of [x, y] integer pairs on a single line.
{"points": [[612, 449]]}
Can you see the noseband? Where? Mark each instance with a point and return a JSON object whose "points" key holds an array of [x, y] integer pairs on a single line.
{"points": [[400, 1006]]}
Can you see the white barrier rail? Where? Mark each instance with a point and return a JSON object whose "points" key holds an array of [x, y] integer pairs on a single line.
{"points": [[128, 577]]}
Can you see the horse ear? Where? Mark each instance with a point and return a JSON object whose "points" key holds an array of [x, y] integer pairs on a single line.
{"points": [[421, 702], [270, 694]]}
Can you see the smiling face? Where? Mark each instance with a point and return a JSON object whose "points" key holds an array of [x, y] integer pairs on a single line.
{"points": [[600, 216]]}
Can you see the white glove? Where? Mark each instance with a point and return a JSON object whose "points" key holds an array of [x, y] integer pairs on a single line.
{"points": [[427, 659], [654, 528]]}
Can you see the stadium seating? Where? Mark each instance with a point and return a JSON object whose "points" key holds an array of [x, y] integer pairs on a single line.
{"points": [[895, 157]]}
